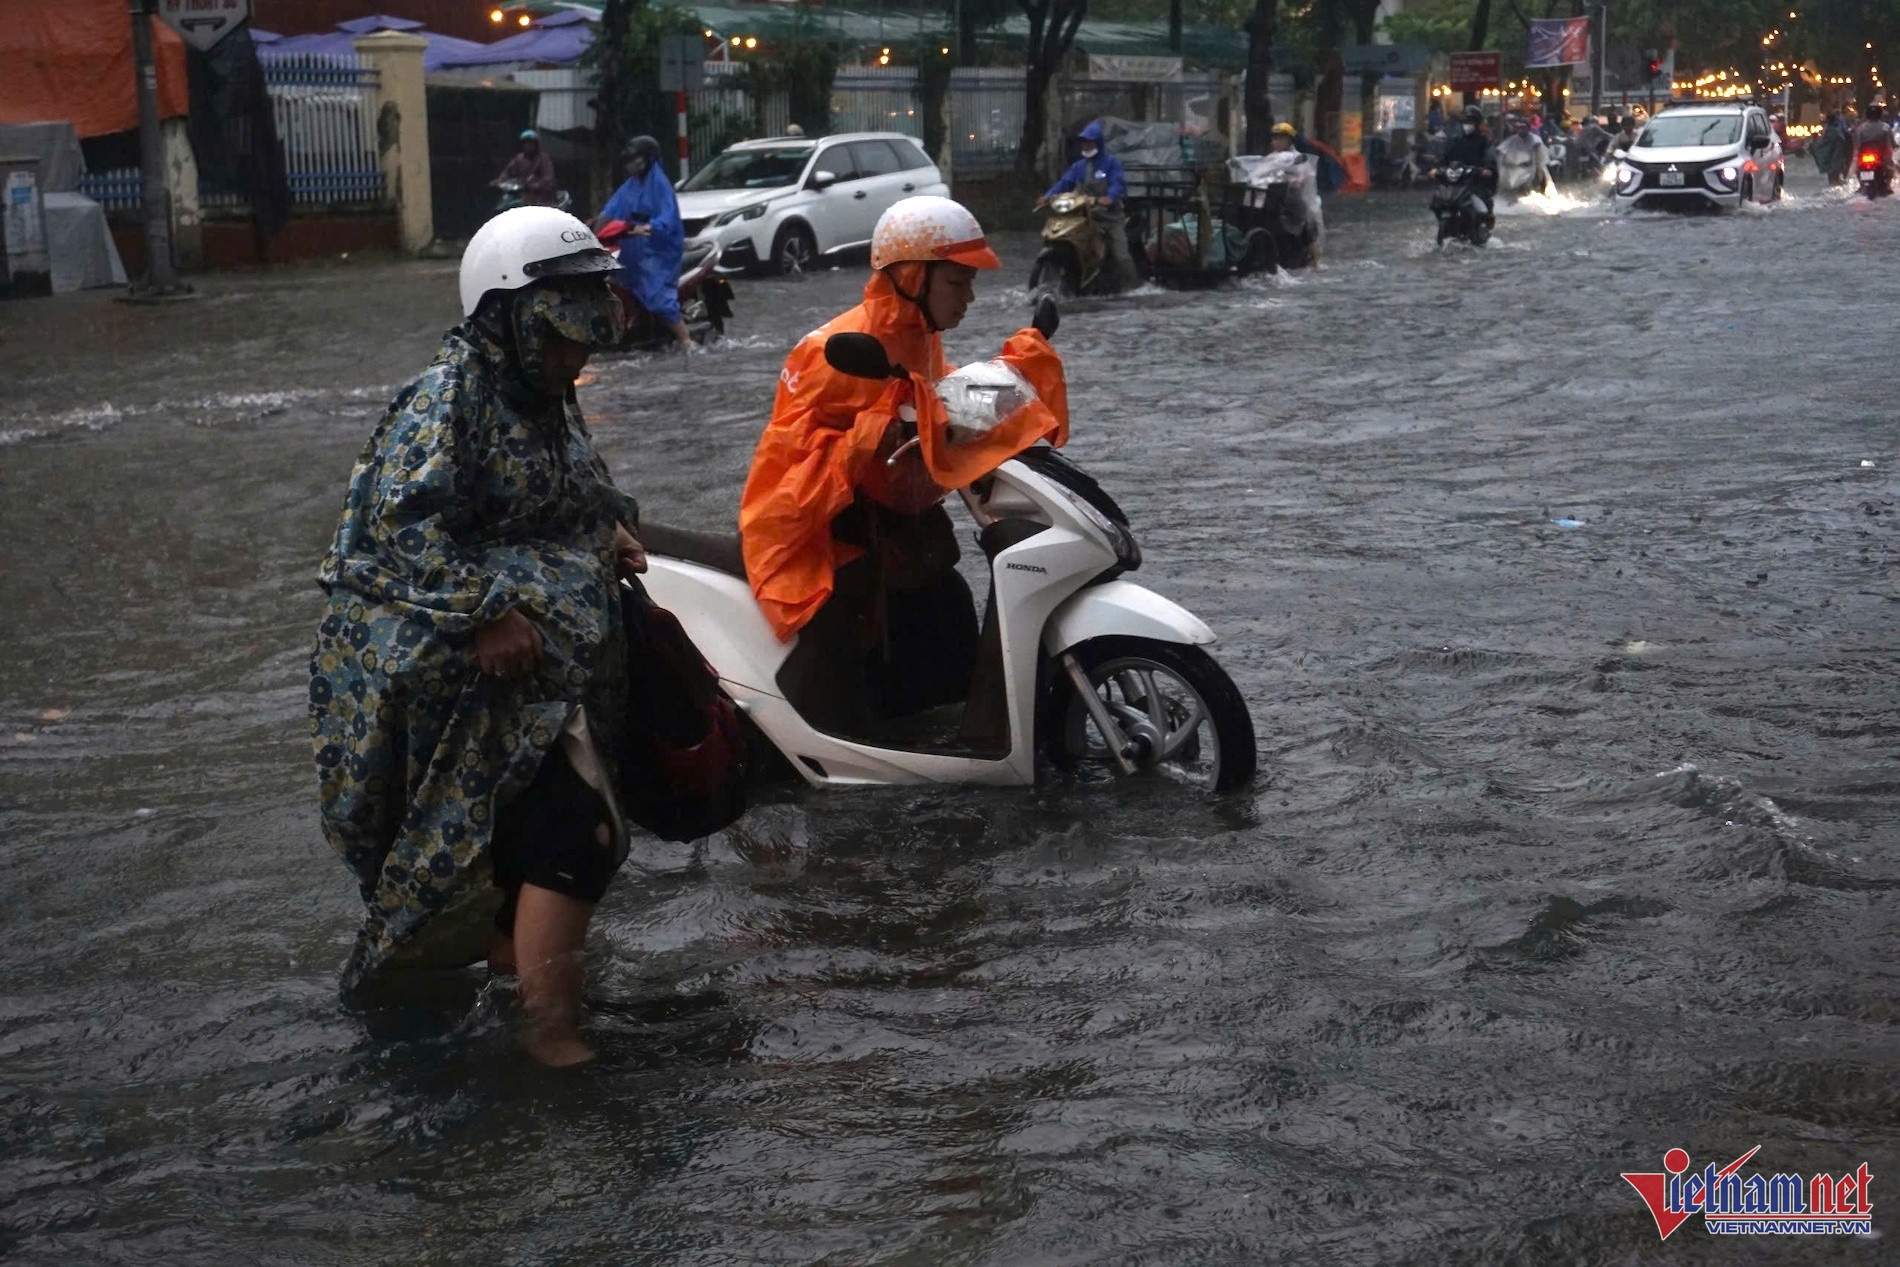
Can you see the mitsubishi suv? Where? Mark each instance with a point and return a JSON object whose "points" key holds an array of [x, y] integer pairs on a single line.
{"points": [[1701, 156], [782, 205]]}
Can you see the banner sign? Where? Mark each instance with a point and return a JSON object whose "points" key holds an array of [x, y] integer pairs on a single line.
{"points": [[1558, 42], [1152, 70], [1471, 72], [1389, 59]]}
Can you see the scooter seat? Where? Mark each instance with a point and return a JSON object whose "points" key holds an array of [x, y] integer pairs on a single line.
{"points": [[716, 550]]}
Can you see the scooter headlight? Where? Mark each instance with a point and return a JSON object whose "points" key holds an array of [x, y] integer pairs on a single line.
{"points": [[752, 212], [1127, 549]]}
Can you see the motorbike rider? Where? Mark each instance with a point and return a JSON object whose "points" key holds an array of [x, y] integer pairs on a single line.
{"points": [[1099, 174], [1625, 135], [655, 244], [1472, 148], [1524, 148], [1285, 140], [469, 674], [1875, 134], [534, 170], [1832, 150], [845, 543]]}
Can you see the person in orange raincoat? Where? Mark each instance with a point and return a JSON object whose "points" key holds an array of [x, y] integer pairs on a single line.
{"points": [[846, 544]]}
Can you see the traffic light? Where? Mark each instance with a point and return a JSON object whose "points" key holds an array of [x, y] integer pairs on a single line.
{"points": [[1653, 65]]}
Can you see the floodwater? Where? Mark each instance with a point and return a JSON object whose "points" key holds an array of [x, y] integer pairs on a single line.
{"points": [[1565, 597]]}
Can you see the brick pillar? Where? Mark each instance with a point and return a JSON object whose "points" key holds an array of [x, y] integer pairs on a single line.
{"points": [[402, 130]]}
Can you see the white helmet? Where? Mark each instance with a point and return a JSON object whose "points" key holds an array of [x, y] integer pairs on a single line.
{"points": [[927, 228], [526, 244]]}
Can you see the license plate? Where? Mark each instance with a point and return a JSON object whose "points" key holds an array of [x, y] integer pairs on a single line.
{"points": [[1866, 178], [1672, 178]]}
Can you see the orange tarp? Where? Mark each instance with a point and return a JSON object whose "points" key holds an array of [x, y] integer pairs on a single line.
{"points": [[72, 59]]}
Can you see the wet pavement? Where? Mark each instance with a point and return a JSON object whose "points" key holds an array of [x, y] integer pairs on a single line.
{"points": [[1563, 594]]}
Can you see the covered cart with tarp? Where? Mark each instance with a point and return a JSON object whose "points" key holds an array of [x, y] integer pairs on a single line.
{"points": [[1276, 195], [1183, 238]]}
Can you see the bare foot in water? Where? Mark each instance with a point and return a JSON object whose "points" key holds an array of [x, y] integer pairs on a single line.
{"points": [[557, 1048], [501, 956]]}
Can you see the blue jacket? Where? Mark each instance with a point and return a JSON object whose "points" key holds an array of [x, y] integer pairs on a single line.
{"points": [[1103, 167], [650, 263]]}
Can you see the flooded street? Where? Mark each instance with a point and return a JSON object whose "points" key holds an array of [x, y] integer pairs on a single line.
{"points": [[1562, 578]]}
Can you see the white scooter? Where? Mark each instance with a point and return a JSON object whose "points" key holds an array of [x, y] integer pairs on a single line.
{"points": [[1094, 670]]}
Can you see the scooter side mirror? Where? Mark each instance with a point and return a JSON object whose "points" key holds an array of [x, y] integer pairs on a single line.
{"points": [[859, 355], [1047, 317]]}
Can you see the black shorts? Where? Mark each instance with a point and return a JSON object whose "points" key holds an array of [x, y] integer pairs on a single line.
{"points": [[558, 834]]}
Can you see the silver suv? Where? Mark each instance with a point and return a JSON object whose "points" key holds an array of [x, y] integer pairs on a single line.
{"points": [[783, 204], [1697, 155]]}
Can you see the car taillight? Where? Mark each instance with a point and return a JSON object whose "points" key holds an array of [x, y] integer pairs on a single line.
{"points": [[1870, 158]]}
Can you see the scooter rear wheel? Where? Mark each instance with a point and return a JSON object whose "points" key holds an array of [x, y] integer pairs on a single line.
{"points": [[1181, 713]]}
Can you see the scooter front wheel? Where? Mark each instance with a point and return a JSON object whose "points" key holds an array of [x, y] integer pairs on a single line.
{"points": [[1055, 272], [1178, 713]]}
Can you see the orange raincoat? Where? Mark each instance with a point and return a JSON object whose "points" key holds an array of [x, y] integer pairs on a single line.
{"points": [[819, 448]]}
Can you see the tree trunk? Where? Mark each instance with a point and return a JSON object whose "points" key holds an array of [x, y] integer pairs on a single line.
{"points": [[1174, 25], [1262, 27], [1480, 32], [1052, 27], [1332, 74], [1480, 25]]}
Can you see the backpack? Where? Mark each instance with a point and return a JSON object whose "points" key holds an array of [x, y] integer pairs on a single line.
{"points": [[683, 768]]}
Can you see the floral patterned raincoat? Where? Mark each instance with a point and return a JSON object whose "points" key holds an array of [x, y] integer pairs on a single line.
{"points": [[476, 494]]}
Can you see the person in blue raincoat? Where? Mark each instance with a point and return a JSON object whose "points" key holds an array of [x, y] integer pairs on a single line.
{"points": [[1099, 174], [650, 254]]}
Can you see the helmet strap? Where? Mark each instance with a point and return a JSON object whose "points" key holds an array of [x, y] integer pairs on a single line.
{"points": [[918, 298]]}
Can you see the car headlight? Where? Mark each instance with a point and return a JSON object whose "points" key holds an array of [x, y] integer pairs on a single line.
{"points": [[752, 212], [1628, 178], [1724, 177]]}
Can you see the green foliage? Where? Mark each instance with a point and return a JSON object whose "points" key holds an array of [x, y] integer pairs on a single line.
{"points": [[803, 68], [626, 56], [1445, 25]]}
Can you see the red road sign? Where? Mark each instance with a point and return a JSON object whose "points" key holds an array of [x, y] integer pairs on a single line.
{"points": [[1473, 71]]}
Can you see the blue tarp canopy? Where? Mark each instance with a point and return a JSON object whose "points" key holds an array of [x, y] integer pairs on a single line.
{"points": [[557, 40], [443, 50]]}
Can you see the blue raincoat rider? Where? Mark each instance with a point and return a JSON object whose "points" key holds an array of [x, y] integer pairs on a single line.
{"points": [[650, 254], [1100, 174]]}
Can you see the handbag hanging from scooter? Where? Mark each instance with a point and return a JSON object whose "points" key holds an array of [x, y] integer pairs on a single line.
{"points": [[684, 768]]}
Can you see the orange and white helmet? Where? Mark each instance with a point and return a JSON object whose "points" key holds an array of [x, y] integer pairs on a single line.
{"points": [[927, 229]]}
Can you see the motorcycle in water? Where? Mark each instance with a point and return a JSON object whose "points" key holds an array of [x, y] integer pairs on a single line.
{"points": [[705, 296], [1461, 205], [1874, 172], [1074, 251], [1087, 669], [1556, 162], [511, 198], [1276, 195]]}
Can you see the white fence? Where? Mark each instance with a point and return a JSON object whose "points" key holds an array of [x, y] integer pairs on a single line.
{"points": [[326, 119], [986, 119], [325, 108], [876, 99]]}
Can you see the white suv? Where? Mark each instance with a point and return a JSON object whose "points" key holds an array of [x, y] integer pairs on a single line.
{"points": [[781, 204], [1721, 155]]}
